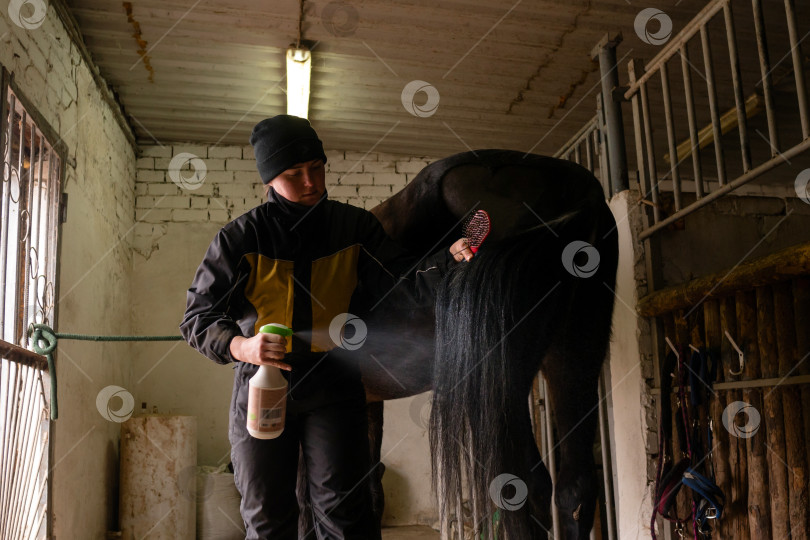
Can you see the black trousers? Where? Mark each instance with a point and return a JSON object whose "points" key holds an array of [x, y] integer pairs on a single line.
{"points": [[326, 418]]}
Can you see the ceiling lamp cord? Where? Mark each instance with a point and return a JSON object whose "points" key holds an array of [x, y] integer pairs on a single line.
{"points": [[300, 24]]}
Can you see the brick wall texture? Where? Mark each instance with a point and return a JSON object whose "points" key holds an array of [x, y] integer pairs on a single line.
{"points": [[219, 183]]}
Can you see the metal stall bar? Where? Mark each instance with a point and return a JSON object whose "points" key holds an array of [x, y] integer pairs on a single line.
{"points": [[20, 475], [53, 220], [638, 85], [550, 461], [577, 139], [708, 65], [674, 44], [26, 241], [35, 254], [670, 123], [31, 171], [10, 419], [734, 118], [751, 175], [545, 438], [643, 179], [605, 51], [765, 69], [736, 79], [33, 250], [607, 461], [22, 174], [587, 140], [798, 70], [23, 409], [604, 157], [5, 189], [686, 66], [651, 166]]}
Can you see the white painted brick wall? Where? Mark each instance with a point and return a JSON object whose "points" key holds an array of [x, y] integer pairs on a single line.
{"points": [[232, 185], [240, 165], [378, 192], [225, 152]]}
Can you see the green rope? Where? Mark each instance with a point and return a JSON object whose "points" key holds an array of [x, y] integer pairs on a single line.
{"points": [[44, 333]]}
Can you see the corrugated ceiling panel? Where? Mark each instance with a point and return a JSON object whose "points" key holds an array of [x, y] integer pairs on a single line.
{"points": [[509, 74]]}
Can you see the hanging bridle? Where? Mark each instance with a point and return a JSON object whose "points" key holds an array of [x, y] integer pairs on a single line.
{"points": [[707, 498]]}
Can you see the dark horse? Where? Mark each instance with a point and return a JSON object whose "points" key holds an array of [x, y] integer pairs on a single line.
{"points": [[538, 295]]}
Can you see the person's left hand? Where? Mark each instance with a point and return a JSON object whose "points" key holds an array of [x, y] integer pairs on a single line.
{"points": [[461, 251]]}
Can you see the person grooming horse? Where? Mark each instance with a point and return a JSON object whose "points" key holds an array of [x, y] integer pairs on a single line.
{"points": [[304, 261]]}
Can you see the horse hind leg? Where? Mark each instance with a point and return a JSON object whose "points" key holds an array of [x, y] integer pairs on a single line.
{"points": [[540, 493], [572, 368], [574, 398], [535, 510]]}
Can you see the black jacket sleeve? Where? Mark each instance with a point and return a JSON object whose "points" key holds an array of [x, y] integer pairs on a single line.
{"points": [[207, 324], [387, 271]]}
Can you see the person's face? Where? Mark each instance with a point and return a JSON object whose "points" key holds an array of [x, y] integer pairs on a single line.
{"points": [[303, 183]]}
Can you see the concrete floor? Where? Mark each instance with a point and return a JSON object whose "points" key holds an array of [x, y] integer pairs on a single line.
{"points": [[413, 532]]}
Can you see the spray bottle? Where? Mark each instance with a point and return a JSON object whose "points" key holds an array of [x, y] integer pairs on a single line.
{"points": [[267, 395]]}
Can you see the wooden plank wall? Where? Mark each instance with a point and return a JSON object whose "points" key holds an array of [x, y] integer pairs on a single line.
{"points": [[764, 476]]}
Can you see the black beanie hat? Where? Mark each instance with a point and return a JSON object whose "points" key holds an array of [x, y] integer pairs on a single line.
{"points": [[281, 142]]}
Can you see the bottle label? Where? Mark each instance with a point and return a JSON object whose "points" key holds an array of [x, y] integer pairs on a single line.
{"points": [[266, 409]]}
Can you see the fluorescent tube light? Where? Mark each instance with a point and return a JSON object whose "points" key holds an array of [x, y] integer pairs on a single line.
{"points": [[299, 66]]}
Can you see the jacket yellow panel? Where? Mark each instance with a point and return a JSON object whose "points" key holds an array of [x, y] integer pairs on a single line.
{"points": [[334, 279], [270, 289]]}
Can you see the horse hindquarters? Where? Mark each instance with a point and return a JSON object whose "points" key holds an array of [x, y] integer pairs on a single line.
{"points": [[506, 299], [521, 303]]}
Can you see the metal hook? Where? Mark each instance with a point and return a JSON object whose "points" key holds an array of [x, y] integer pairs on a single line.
{"points": [[694, 348], [739, 354]]}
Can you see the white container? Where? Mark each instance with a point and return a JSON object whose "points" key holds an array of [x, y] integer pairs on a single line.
{"points": [[267, 403], [267, 396]]}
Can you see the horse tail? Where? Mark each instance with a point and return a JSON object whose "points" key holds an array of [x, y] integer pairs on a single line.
{"points": [[496, 317]]}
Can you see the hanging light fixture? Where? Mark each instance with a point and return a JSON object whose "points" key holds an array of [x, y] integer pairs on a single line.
{"points": [[299, 67]]}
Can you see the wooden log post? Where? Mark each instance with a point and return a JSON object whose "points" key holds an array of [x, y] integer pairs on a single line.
{"points": [[700, 414], [801, 315], [737, 507], [681, 340], [758, 504], [792, 408], [722, 472], [773, 415], [788, 263]]}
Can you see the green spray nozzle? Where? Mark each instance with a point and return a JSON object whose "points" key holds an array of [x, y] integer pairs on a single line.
{"points": [[276, 328]]}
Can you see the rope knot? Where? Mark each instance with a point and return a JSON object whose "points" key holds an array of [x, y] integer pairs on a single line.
{"points": [[42, 333]]}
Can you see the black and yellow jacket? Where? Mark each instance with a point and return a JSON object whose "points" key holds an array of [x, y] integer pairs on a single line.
{"points": [[299, 266]]}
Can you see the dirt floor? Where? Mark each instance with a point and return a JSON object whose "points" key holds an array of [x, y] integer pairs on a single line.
{"points": [[414, 532]]}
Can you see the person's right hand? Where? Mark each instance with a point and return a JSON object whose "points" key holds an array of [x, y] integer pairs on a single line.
{"points": [[461, 251], [263, 349]]}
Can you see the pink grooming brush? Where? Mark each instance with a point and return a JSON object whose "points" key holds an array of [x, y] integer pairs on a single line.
{"points": [[476, 229]]}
